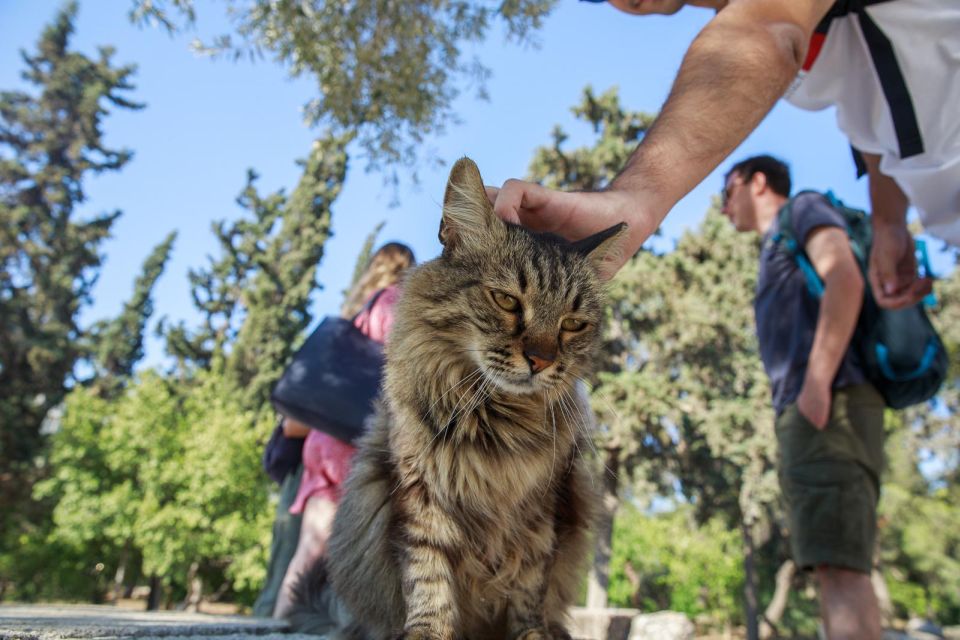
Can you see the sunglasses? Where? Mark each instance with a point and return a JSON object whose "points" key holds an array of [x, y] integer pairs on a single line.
{"points": [[729, 189]]}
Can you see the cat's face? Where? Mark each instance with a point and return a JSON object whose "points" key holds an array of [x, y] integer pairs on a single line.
{"points": [[535, 315], [530, 304]]}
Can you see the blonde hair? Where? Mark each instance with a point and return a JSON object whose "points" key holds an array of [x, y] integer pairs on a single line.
{"points": [[385, 268]]}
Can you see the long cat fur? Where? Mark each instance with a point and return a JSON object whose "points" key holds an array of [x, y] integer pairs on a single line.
{"points": [[468, 510]]}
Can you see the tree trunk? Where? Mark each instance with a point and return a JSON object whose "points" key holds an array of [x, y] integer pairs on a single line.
{"points": [[120, 574], [751, 608], [194, 589], [778, 603], [599, 579], [156, 593]]}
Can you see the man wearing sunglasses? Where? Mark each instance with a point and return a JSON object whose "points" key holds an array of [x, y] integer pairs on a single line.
{"points": [[829, 423], [890, 67]]}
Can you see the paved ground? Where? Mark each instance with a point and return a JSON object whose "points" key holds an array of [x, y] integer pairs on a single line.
{"points": [[68, 622], [59, 622]]}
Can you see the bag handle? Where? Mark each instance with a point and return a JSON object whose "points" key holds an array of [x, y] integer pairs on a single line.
{"points": [[929, 354], [368, 305]]}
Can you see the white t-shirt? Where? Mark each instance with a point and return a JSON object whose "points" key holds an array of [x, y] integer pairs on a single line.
{"points": [[919, 146]]}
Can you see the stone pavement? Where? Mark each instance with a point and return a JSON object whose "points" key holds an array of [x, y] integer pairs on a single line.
{"points": [[60, 622]]}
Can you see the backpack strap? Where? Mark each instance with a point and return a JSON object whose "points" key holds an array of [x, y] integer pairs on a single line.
{"points": [[786, 239]]}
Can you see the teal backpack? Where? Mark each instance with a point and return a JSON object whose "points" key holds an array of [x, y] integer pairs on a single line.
{"points": [[901, 352]]}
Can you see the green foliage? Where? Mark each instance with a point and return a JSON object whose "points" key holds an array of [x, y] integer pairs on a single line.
{"points": [[165, 476], [118, 343], [50, 142], [667, 561], [920, 502], [589, 168], [255, 297], [387, 71]]}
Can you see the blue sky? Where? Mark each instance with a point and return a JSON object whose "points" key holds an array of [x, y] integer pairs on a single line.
{"points": [[206, 122]]}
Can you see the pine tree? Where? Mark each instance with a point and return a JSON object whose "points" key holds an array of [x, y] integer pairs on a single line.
{"points": [[117, 344], [255, 297], [49, 259]]}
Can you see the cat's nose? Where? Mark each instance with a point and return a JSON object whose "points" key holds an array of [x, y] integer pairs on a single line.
{"points": [[538, 359]]}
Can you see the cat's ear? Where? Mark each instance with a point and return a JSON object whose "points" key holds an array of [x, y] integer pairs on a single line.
{"points": [[468, 218], [604, 249]]}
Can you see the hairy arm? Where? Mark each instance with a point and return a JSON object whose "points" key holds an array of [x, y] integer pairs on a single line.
{"points": [[733, 73], [829, 251], [893, 265]]}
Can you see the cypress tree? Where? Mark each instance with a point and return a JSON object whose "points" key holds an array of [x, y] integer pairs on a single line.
{"points": [[50, 140]]}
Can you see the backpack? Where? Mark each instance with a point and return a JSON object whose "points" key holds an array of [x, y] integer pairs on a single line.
{"points": [[901, 352]]}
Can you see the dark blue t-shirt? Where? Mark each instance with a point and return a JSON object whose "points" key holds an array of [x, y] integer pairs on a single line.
{"points": [[786, 313]]}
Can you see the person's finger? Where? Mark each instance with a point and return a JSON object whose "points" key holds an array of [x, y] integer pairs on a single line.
{"points": [[509, 199], [908, 297], [893, 267], [492, 193]]}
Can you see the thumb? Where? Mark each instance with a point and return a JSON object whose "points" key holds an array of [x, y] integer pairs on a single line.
{"points": [[492, 193]]}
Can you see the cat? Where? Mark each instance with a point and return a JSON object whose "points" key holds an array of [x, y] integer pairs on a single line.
{"points": [[469, 507]]}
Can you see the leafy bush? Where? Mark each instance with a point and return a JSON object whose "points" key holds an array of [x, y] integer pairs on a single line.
{"points": [[666, 561]]}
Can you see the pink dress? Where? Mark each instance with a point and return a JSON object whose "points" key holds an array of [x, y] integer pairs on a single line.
{"points": [[326, 460]]}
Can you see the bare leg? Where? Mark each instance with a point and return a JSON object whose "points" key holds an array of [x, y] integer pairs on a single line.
{"points": [[848, 604], [314, 533]]}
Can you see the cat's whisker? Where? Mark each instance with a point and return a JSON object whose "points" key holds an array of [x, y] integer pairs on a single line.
{"points": [[571, 428], [470, 405], [593, 480], [553, 463], [602, 396], [582, 424], [589, 438], [457, 410], [476, 373]]}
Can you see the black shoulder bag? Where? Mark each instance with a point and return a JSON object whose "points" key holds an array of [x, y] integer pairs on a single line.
{"points": [[333, 379]]}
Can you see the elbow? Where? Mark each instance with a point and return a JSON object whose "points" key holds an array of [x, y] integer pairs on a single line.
{"points": [[782, 48], [765, 48], [792, 42]]}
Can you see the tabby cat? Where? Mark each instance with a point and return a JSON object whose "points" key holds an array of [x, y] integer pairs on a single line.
{"points": [[468, 511]]}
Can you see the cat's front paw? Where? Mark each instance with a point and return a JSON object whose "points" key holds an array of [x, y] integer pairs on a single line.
{"points": [[534, 633], [423, 633]]}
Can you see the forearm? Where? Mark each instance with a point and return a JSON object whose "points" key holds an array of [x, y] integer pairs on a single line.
{"points": [[733, 73], [839, 311], [888, 202]]}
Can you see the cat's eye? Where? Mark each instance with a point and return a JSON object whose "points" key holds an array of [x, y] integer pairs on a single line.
{"points": [[572, 324], [505, 301]]}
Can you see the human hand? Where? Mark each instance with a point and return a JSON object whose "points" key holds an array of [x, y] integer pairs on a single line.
{"points": [[813, 403], [293, 428], [893, 268], [574, 215]]}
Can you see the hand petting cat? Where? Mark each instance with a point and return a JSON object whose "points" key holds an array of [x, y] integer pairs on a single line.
{"points": [[574, 214]]}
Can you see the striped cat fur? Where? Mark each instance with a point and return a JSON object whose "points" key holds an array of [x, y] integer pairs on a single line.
{"points": [[468, 511]]}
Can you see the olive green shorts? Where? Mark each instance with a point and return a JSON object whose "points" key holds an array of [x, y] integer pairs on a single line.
{"points": [[831, 479]]}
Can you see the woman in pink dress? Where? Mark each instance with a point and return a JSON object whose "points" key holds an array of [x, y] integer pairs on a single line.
{"points": [[326, 460]]}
